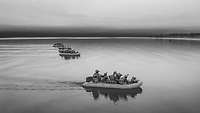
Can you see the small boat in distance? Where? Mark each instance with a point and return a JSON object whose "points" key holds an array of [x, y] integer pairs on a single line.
{"points": [[114, 81], [58, 45], [67, 51]]}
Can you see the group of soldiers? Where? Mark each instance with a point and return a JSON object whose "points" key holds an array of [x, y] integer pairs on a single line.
{"points": [[115, 78]]}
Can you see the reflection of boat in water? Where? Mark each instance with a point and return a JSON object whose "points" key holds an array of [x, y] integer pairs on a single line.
{"points": [[68, 57], [114, 94], [113, 86]]}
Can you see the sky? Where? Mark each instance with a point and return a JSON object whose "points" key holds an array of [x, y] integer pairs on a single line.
{"points": [[101, 13]]}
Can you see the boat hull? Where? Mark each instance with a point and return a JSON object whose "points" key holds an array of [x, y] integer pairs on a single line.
{"points": [[69, 54], [112, 86]]}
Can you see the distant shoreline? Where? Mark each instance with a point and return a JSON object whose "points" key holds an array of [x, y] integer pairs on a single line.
{"points": [[13, 32], [88, 38]]}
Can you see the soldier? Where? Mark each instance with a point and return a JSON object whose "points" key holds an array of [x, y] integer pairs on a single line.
{"points": [[96, 76]]}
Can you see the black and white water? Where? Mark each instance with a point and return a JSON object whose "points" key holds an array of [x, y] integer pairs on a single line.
{"points": [[35, 79]]}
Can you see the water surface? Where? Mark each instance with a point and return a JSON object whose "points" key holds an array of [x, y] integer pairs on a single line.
{"points": [[34, 78]]}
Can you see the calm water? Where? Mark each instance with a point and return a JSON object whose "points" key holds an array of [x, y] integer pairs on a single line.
{"points": [[35, 79]]}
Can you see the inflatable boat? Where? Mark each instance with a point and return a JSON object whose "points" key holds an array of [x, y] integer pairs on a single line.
{"points": [[112, 86], [58, 45]]}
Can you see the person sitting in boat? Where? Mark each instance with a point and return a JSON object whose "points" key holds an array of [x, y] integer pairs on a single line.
{"points": [[112, 79], [114, 73], [123, 79], [96, 76], [126, 79], [133, 80], [104, 77], [96, 73], [117, 77]]}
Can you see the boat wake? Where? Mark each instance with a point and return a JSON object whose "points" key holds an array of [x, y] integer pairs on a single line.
{"points": [[58, 85]]}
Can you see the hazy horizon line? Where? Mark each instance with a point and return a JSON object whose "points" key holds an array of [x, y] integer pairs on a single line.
{"points": [[93, 38]]}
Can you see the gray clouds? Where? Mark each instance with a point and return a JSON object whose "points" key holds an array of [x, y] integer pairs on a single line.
{"points": [[106, 13]]}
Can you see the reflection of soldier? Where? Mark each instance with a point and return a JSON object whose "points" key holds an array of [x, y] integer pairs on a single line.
{"points": [[95, 95]]}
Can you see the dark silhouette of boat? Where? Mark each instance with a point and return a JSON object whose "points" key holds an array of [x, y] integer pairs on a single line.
{"points": [[58, 45], [69, 57], [67, 51]]}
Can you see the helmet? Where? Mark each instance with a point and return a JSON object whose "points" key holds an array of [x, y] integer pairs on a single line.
{"points": [[96, 71]]}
